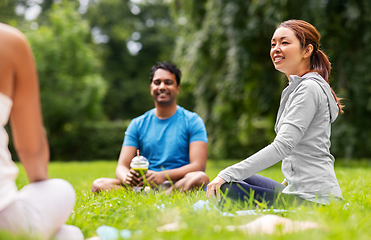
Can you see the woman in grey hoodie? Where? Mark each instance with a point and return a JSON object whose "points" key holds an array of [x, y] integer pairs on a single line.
{"points": [[308, 106]]}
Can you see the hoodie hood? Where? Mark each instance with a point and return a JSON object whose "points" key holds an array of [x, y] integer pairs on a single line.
{"points": [[295, 80], [333, 106]]}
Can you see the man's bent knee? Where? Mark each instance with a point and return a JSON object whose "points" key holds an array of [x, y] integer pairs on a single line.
{"points": [[96, 186], [196, 179], [102, 184], [202, 178]]}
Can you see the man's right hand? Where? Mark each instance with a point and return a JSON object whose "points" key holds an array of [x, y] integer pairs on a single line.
{"points": [[132, 179]]}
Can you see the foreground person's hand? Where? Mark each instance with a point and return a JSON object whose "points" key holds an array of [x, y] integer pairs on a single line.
{"points": [[213, 188]]}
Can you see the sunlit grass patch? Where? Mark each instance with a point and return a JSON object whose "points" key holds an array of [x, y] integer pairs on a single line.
{"points": [[145, 215]]}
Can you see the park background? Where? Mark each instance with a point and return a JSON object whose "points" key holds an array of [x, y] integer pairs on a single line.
{"points": [[94, 58]]}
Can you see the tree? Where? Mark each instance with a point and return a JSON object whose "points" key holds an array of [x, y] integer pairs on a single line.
{"points": [[146, 30], [226, 59], [71, 87], [8, 11], [224, 50], [346, 29]]}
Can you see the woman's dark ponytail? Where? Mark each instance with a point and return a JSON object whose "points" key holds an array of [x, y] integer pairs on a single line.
{"points": [[320, 63]]}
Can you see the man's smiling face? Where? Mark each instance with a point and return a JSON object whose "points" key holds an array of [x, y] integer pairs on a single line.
{"points": [[164, 88]]}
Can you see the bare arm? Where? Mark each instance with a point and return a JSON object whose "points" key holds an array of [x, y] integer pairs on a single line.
{"points": [[26, 120], [197, 162]]}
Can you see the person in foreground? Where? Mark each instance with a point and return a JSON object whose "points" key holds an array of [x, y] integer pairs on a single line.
{"points": [[40, 209], [173, 139], [308, 107]]}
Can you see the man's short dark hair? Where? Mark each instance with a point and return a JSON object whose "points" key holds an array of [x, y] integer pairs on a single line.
{"points": [[168, 67]]}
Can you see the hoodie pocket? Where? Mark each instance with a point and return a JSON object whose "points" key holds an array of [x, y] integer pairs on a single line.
{"points": [[288, 170]]}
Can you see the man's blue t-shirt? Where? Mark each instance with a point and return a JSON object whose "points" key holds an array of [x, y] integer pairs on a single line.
{"points": [[165, 142]]}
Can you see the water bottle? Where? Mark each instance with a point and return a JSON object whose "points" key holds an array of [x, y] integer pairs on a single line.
{"points": [[139, 164]]}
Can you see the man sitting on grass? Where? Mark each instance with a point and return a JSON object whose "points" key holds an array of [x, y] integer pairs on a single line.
{"points": [[172, 138]]}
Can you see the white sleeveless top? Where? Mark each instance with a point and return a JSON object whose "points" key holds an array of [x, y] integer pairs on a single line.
{"points": [[8, 170]]}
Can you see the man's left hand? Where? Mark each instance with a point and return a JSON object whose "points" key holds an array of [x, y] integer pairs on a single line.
{"points": [[155, 178]]}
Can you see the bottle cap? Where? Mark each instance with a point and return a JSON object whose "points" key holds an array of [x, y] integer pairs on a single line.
{"points": [[139, 161]]}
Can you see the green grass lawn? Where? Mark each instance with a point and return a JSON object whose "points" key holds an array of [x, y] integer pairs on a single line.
{"points": [[141, 214]]}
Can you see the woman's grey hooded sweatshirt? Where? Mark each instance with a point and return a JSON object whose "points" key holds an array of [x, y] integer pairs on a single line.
{"points": [[303, 128]]}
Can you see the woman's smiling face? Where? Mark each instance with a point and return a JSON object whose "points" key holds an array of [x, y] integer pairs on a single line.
{"points": [[287, 54]]}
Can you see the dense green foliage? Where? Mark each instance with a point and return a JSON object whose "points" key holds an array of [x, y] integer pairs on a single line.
{"points": [[142, 214], [222, 55], [101, 140], [148, 29], [71, 88], [7, 13], [89, 70], [224, 52], [83, 81]]}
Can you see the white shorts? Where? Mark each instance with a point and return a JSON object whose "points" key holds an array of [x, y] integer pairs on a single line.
{"points": [[41, 209]]}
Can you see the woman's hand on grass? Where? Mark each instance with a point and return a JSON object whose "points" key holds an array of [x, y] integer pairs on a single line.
{"points": [[213, 188]]}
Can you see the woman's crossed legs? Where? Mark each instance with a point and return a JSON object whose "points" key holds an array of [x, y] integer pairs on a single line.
{"points": [[41, 209]]}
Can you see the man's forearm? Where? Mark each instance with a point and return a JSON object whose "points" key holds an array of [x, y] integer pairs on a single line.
{"points": [[178, 173]]}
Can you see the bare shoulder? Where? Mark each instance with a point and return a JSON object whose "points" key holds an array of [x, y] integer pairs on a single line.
{"points": [[11, 39], [13, 52], [11, 33]]}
